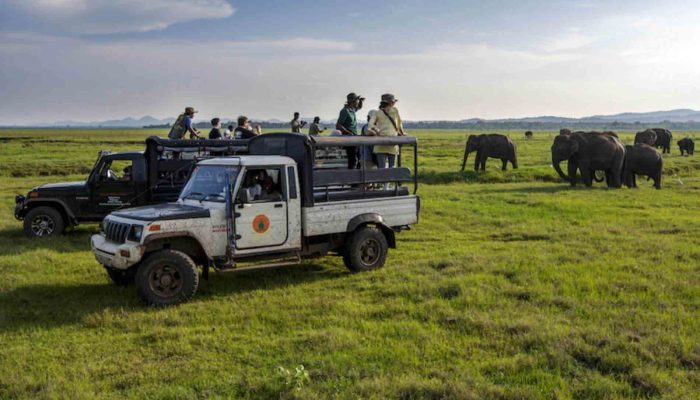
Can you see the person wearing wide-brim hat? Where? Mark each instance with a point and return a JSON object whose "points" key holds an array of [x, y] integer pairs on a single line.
{"points": [[387, 122], [347, 124]]}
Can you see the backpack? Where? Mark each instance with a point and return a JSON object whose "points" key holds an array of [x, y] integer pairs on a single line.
{"points": [[178, 130]]}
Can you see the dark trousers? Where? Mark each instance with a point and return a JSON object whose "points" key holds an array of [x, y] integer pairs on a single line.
{"points": [[352, 157]]}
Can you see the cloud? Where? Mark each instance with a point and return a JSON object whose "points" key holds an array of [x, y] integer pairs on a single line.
{"points": [[571, 40], [119, 16]]}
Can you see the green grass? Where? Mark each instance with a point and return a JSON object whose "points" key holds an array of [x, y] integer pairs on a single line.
{"points": [[512, 286]]}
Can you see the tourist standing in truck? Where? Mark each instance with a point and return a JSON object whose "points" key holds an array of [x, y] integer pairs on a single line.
{"points": [[228, 134], [183, 124], [215, 132], [387, 122], [315, 128], [347, 124], [296, 123], [243, 130]]}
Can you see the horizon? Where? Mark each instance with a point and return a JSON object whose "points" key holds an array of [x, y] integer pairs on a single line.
{"points": [[94, 61]]}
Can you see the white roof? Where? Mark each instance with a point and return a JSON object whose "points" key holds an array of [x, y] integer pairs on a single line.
{"points": [[248, 160]]}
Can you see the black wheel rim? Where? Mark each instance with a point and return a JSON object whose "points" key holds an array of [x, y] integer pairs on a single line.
{"points": [[369, 252], [42, 225], [165, 281]]}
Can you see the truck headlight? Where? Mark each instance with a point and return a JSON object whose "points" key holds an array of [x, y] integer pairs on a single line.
{"points": [[135, 233]]}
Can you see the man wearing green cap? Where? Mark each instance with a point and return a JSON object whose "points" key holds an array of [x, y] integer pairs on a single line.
{"points": [[347, 124]]}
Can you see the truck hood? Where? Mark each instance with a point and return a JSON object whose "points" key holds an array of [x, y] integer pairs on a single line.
{"points": [[162, 212], [62, 186]]}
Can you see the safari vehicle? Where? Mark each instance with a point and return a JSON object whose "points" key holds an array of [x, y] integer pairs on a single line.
{"points": [[117, 180], [271, 207]]}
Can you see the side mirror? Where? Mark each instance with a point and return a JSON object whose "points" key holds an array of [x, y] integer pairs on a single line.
{"points": [[242, 197]]}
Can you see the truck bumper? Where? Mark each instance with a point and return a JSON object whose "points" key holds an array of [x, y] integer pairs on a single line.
{"points": [[115, 255], [20, 210]]}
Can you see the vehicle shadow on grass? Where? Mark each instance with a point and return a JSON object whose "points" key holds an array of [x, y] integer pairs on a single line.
{"points": [[46, 306], [14, 242]]}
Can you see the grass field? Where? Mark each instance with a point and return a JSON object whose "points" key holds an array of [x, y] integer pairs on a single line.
{"points": [[512, 286]]}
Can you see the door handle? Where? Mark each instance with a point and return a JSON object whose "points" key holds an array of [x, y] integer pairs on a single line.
{"points": [[278, 205]]}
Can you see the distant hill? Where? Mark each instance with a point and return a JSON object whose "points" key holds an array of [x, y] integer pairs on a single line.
{"points": [[681, 118]]}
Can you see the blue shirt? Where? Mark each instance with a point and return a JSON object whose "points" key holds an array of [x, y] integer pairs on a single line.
{"points": [[188, 122]]}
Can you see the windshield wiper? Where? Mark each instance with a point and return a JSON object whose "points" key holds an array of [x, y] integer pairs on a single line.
{"points": [[191, 194], [211, 195]]}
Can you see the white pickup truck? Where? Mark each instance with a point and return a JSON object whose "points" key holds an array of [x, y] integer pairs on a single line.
{"points": [[274, 206]]}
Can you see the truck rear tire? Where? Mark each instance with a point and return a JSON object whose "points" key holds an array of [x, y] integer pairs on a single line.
{"points": [[43, 221], [120, 277], [365, 250], [167, 277]]}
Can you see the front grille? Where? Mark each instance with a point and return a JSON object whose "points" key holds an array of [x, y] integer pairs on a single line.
{"points": [[116, 231]]}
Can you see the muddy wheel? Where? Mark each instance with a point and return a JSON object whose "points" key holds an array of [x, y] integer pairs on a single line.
{"points": [[43, 221], [366, 250], [120, 277], [167, 277]]}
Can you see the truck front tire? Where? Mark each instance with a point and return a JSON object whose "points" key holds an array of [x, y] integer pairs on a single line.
{"points": [[167, 277], [43, 221], [365, 250]]}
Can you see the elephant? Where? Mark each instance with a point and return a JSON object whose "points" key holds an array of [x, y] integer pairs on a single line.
{"points": [[493, 146], [686, 145], [664, 139], [647, 137], [528, 134], [589, 152], [565, 131], [642, 159]]}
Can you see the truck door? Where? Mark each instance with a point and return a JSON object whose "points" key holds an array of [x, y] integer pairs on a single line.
{"points": [[116, 183], [261, 209]]}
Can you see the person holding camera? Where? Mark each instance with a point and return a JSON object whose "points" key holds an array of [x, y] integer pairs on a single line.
{"points": [[296, 124], [347, 124], [387, 122]]}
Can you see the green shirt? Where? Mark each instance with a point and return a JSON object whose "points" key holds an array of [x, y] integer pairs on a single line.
{"points": [[348, 120], [314, 129]]}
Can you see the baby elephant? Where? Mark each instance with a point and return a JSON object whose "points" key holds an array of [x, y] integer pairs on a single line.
{"points": [[687, 145], [528, 134], [493, 146], [642, 159]]}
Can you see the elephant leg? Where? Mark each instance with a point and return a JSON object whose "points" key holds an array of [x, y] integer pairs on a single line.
{"points": [[608, 178], [505, 162], [464, 160], [483, 163], [657, 180], [572, 167], [586, 177], [477, 161], [514, 162], [634, 180]]}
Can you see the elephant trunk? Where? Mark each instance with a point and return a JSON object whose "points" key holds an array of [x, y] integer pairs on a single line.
{"points": [[557, 167]]}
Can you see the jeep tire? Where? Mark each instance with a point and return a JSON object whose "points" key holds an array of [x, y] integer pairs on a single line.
{"points": [[365, 250], [167, 277], [43, 221]]}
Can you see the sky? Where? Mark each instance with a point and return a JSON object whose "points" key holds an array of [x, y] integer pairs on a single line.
{"points": [[91, 60]]}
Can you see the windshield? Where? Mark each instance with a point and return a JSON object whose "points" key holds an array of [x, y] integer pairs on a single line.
{"points": [[208, 183]]}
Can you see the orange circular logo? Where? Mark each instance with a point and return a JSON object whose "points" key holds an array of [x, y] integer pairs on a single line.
{"points": [[261, 223]]}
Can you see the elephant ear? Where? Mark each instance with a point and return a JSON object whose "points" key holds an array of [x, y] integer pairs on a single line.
{"points": [[574, 146]]}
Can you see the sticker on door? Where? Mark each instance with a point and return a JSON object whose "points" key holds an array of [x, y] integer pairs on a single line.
{"points": [[261, 223]]}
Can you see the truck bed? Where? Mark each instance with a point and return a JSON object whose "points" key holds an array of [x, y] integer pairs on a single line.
{"points": [[333, 217]]}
